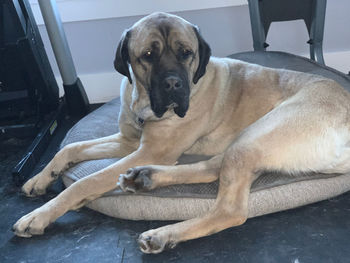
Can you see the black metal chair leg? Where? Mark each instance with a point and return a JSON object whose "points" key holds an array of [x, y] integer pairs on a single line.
{"points": [[316, 32]]}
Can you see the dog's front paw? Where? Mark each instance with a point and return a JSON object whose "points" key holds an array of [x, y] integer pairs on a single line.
{"points": [[154, 242], [36, 185], [33, 223], [136, 179]]}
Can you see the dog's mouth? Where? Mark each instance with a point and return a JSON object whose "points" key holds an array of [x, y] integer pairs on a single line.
{"points": [[159, 113], [163, 102], [180, 110], [172, 105]]}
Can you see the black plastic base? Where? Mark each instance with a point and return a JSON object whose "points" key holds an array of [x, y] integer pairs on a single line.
{"points": [[77, 100], [18, 130], [24, 168]]}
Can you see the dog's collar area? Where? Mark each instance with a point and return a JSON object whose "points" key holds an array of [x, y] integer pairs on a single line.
{"points": [[140, 121]]}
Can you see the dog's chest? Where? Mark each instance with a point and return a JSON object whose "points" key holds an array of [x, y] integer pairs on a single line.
{"points": [[215, 142]]}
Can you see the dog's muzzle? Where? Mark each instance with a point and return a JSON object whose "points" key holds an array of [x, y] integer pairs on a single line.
{"points": [[171, 92]]}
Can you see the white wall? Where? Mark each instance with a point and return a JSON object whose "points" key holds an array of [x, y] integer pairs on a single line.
{"points": [[84, 10], [227, 30]]}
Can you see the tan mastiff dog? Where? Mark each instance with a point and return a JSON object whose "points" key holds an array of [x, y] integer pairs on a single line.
{"points": [[177, 99]]}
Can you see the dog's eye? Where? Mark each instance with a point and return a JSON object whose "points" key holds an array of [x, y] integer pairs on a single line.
{"points": [[185, 53], [148, 55]]}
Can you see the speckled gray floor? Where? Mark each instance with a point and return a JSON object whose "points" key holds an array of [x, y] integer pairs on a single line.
{"points": [[315, 233]]}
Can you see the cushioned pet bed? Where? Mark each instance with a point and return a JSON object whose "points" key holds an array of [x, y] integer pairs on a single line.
{"points": [[271, 192]]}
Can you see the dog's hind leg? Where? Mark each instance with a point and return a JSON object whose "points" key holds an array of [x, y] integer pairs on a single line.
{"points": [[295, 137], [230, 209], [148, 177], [114, 146]]}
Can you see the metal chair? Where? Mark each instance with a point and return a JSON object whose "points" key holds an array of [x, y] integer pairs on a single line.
{"points": [[264, 12]]}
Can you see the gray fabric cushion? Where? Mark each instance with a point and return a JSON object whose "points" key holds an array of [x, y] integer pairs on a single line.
{"points": [[275, 59], [270, 193]]}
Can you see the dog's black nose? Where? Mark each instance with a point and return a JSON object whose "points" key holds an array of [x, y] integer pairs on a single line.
{"points": [[173, 83]]}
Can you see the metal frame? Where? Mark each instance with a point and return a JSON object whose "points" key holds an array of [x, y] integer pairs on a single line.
{"points": [[263, 12], [77, 100]]}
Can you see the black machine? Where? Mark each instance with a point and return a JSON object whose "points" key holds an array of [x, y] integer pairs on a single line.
{"points": [[28, 86], [29, 95]]}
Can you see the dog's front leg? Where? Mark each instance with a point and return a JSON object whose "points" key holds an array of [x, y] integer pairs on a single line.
{"points": [[83, 191], [145, 178], [113, 146], [162, 148]]}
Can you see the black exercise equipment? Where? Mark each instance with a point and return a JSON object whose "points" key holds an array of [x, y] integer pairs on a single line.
{"points": [[29, 95]]}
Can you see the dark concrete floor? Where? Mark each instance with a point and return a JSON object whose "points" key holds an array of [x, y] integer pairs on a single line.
{"points": [[316, 233]]}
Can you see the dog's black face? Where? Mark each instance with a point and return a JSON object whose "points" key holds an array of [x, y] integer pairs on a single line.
{"points": [[169, 84], [165, 60]]}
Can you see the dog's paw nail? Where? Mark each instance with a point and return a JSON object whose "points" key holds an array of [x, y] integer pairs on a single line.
{"points": [[150, 244], [171, 245], [143, 247]]}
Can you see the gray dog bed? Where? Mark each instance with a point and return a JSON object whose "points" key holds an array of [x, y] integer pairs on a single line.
{"points": [[270, 193]]}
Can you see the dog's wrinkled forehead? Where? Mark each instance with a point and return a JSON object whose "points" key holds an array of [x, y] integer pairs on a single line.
{"points": [[161, 29]]}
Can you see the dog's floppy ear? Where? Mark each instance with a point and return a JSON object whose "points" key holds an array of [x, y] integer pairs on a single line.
{"points": [[204, 53], [122, 56]]}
